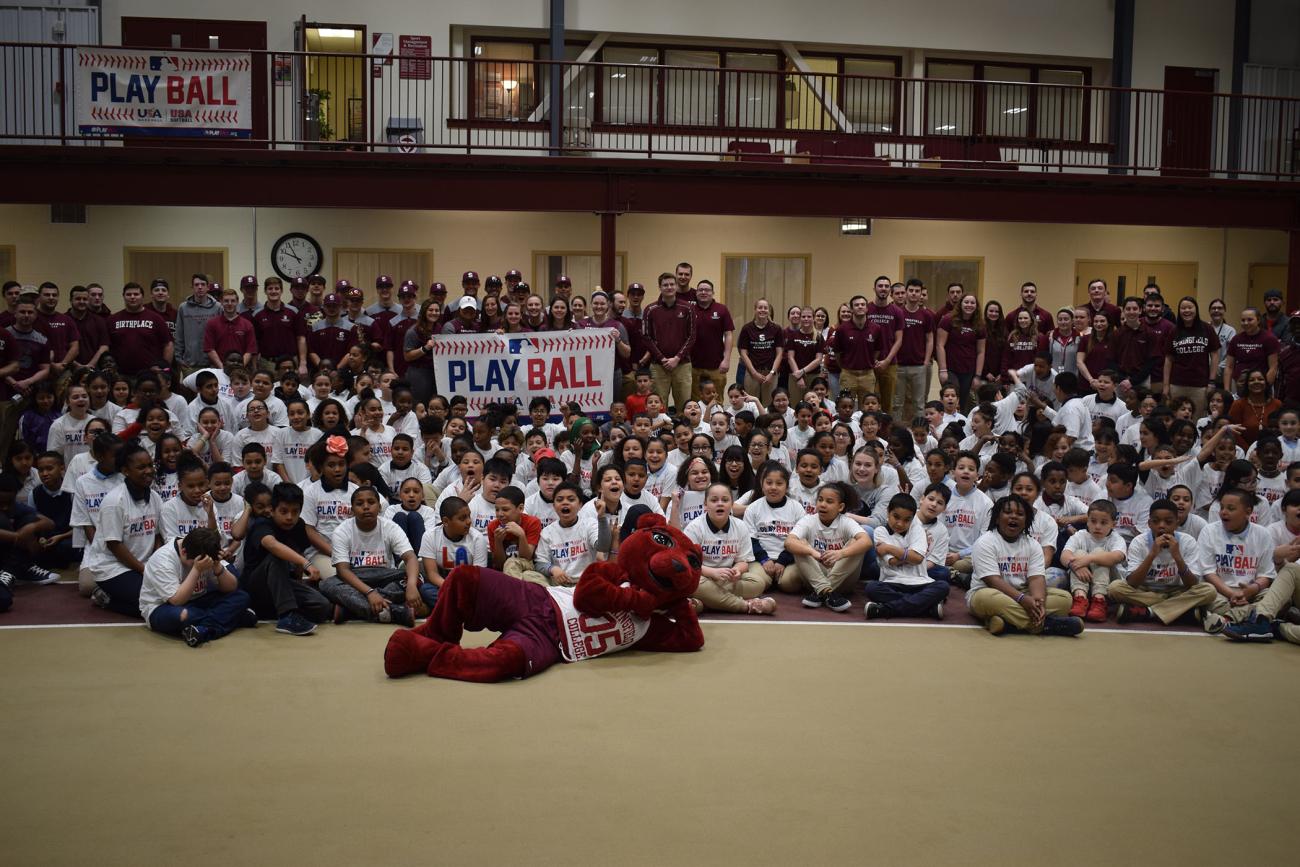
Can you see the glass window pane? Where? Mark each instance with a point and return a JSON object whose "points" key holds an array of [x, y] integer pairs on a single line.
{"points": [[751, 97], [691, 95], [505, 88], [949, 104], [803, 110], [583, 269], [1060, 109], [869, 102], [1006, 106], [782, 280], [628, 95]]}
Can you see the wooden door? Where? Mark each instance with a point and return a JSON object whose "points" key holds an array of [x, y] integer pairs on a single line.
{"points": [[1175, 279], [1120, 278], [182, 33], [176, 265], [1187, 122], [1263, 277]]}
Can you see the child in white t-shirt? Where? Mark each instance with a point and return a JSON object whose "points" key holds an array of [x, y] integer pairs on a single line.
{"points": [[1092, 558], [1162, 572], [770, 519], [567, 547], [452, 543], [730, 580], [905, 588], [369, 584], [188, 591], [1238, 558], [828, 548]]}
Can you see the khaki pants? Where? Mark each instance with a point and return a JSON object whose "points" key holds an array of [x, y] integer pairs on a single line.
{"points": [[987, 602], [963, 565], [1281, 594], [1232, 613], [1196, 394], [909, 397], [761, 391], [813, 575], [1166, 605], [858, 383], [674, 386], [717, 376], [1101, 577], [718, 596], [323, 565], [887, 379], [524, 570]]}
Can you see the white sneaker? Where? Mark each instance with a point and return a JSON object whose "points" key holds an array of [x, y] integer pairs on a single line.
{"points": [[37, 575], [1214, 623], [100, 598]]}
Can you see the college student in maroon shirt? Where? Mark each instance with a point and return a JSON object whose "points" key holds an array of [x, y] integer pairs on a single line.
{"points": [[1099, 301], [331, 336], [668, 326], [229, 332], [92, 330], [805, 349], [160, 302], [1029, 301], [1024, 341], [1252, 349], [888, 317], [761, 345], [1095, 354], [1153, 314], [137, 338], [960, 345], [1135, 347], [955, 293], [1191, 356], [279, 330], [683, 273], [59, 330], [857, 343], [714, 330], [914, 354], [408, 296]]}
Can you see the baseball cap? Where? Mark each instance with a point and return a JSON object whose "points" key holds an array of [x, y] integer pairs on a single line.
{"points": [[383, 280], [563, 280], [342, 286], [438, 289], [1273, 293], [333, 298], [316, 279], [159, 281], [635, 289], [408, 288], [355, 294], [467, 303], [493, 282], [214, 288], [1294, 316], [248, 281], [513, 274], [543, 453], [298, 283], [469, 277]]}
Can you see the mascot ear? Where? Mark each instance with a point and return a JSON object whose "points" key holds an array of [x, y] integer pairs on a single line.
{"points": [[645, 522]]}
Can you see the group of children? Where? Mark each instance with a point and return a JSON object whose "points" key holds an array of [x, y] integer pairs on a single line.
{"points": [[261, 497]]}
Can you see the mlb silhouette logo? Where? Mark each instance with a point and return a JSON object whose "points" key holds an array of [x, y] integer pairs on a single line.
{"points": [[521, 346], [163, 63]]}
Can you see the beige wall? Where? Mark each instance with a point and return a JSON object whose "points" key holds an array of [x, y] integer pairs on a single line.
{"points": [[495, 242]]}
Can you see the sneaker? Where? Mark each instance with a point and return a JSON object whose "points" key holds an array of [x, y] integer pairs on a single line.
{"points": [[1257, 628], [1079, 607], [402, 615], [873, 611], [341, 615], [1096, 611], [1056, 625], [995, 625], [1214, 623], [247, 619], [294, 623], [837, 603], [1287, 632], [1127, 612], [8, 579], [961, 579], [812, 600], [98, 597], [937, 614], [194, 635], [385, 615], [1291, 615], [37, 575]]}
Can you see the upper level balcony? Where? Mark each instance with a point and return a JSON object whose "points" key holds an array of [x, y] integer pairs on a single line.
{"points": [[768, 115]]}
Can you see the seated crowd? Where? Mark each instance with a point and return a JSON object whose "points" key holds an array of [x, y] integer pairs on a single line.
{"points": [[234, 459]]}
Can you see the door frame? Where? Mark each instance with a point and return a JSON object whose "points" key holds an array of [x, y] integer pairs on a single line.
{"points": [[149, 248], [1187, 102], [1250, 279], [302, 25]]}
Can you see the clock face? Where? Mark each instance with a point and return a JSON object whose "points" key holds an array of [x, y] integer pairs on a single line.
{"points": [[296, 255]]}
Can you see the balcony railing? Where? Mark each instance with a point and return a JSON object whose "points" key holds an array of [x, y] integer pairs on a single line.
{"points": [[347, 102]]}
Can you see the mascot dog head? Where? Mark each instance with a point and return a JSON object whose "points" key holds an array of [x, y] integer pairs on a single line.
{"points": [[661, 560]]}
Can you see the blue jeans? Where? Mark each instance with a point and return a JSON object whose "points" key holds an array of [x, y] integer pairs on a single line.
{"points": [[218, 613], [907, 600]]}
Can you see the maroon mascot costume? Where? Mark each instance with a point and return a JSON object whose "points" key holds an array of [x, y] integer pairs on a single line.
{"points": [[641, 600]]}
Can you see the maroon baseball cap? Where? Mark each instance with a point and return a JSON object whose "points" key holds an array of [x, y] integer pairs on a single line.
{"points": [[438, 289], [563, 280], [469, 277], [298, 283], [342, 287], [354, 293], [493, 282], [316, 279], [635, 289], [383, 280], [408, 289], [333, 298], [513, 274], [248, 281], [214, 288]]}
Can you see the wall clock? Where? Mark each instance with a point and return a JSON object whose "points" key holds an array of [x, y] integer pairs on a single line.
{"points": [[296, 255]]}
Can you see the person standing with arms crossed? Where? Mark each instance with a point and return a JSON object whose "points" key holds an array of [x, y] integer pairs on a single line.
{"points": [[714, 329], [888, 317], [857, 343], [669, 330], [916, 350]]}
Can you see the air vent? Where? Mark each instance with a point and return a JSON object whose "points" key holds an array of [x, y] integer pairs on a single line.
{"points": [[855, 226], [67, 213]]}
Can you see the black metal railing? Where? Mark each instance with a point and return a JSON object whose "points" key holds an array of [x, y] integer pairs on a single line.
{"points": [[321, 101]]}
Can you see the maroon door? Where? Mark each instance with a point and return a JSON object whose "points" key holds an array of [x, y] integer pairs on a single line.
{"points": [[1188, 122], [195, 33]]}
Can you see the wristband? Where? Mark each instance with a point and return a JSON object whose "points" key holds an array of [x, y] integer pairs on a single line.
{"points": [[1018, 598], [373, 590]]}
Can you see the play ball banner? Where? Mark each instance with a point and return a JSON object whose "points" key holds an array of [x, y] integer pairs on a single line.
{"points": [[124, 91], [565, 366]]}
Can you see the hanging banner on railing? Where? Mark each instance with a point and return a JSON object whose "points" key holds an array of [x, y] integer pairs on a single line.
{"points": [[565, 366], [127, 91]]}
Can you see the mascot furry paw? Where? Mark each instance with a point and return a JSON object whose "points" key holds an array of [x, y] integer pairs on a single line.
{"points": [[640, 600]]}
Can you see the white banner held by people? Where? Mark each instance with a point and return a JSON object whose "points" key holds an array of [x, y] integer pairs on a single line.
{"points": [[126, 91], [565, 366]]}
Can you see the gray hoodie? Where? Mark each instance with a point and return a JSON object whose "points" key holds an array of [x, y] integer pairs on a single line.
{"points": [[191, 317]]}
